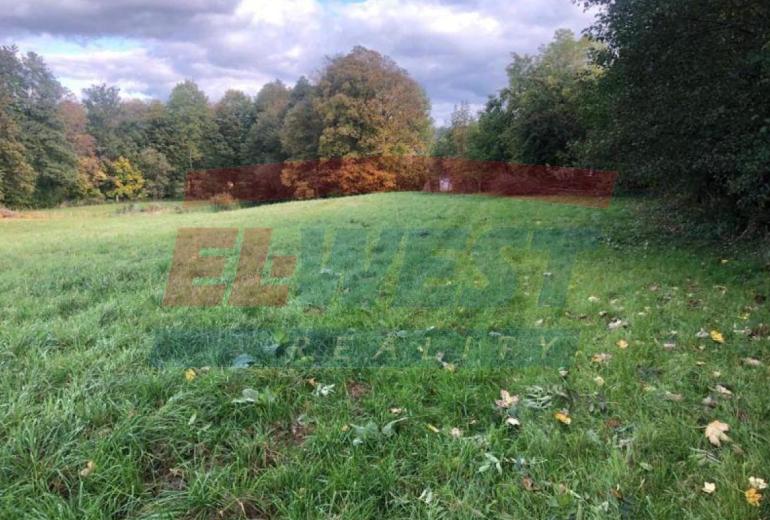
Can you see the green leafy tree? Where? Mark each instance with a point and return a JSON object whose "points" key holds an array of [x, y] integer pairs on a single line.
{"points": [[91, 178], [370, 106], [103, 109], [455, 141], [49, 153], [542, 101], [684, 106], [233, 115], [193, 136], [487, 143], [263, 141], [156, 171], [125, 179], [302, 125], [17, 178]]}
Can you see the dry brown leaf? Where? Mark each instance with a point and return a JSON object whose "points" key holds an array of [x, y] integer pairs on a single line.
{"points": [[715, 432]]}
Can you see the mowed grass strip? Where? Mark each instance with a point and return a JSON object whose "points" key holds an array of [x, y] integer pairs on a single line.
{"points": [[88, 429]]}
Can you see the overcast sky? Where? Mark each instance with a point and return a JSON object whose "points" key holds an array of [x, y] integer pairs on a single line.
{"points": [[456, 49]]}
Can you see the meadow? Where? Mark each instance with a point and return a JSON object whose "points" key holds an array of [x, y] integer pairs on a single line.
{"points": [[115, 405]]}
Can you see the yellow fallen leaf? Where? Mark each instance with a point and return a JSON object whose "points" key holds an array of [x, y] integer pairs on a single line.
{"points": [[709, 487], [717, 336], [90, 467], [432, 428], [563, 417], [753, 497], [190, 374], [715, 432], [622, 344]]}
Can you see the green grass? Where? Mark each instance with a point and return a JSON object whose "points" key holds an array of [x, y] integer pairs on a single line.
{"points": [[81, 311]]}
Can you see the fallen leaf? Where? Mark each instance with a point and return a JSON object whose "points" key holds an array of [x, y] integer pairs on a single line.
{"points": [[563, 417], [456, 433], [432, 428], [507, 400], [622, 344], [491, 462], [715, 432], [88, 469], [709, 487], [724, 391], [753, 497], [322, 390], [757, 483], [389, 429], [249, 395], [599, 380], [616, 324], [593, 299], [752, 362], [528, 484], [716, 336], [512, 421], [190, 374], [601, 357], [396, 411], [710, 402], [668, 396], [701, 334]]}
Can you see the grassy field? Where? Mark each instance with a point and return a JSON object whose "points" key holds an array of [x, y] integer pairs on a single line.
{"points": [[94, 424]]}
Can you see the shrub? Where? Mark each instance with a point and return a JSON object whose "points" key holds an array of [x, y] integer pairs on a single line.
{"points": [[223, 202]]}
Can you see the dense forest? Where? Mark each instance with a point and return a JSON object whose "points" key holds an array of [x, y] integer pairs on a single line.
{"points": [[674, 95]]}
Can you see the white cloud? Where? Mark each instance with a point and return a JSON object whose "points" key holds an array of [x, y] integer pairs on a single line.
{"points": [[457, 50]]}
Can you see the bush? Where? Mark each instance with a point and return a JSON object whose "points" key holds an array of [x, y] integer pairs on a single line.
{"points": [[8, 213], [223, 202]]}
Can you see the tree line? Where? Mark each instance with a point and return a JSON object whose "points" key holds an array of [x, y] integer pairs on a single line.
{"points": [[673, 95], [54, 147]]}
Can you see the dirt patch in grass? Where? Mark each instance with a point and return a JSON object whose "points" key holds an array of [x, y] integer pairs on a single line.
{"points": [[357, 390]]}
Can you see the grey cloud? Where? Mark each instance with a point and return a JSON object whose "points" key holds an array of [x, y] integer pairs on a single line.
{"points": [[456, 49]]}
